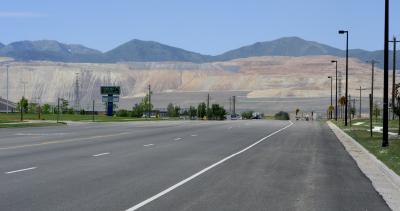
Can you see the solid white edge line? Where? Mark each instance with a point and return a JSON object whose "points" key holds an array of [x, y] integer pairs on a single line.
{"points": [[106, 153], [158, 195], [20, 170]]}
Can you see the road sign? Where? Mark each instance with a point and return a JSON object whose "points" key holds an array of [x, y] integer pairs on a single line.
{"points": [[107, 99], [110, 90]]}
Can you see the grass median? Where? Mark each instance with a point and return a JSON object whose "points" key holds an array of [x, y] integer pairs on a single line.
{"points": [[360, 132]]}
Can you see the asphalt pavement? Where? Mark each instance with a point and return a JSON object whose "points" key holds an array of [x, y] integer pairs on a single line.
{"points": [[181, 165]]}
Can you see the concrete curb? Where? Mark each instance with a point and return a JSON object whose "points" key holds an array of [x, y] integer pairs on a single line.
{"points": [[385, 181]]}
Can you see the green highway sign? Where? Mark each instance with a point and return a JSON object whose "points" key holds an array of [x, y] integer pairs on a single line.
{"points": [[110, 90]]}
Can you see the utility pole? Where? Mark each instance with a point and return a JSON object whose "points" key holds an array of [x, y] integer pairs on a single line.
{"points": [[385, 137], [7, 91], [360, 89], [336, 87], [370, 113], [149, 109], [394, 41], [230, 105], [93, 111], [58, 109], [234, 105], [208, 101], [77, 100], [349, 105]]}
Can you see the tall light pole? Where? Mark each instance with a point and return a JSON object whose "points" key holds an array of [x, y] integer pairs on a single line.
{"points": [[394, 41], [347, 73], [371, 96], [385, 137], [336, 100], [7, 90], [330, 112]]}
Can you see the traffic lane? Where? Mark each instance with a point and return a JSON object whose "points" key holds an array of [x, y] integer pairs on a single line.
{"points": [[303, 168], [51, 151], [116, 181], [27, 135]]}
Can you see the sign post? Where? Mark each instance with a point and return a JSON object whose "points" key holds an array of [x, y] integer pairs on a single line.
{"points": [[108, 93]]}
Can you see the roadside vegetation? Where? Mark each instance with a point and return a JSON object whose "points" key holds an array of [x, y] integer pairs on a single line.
{"points": [[359, 130]]}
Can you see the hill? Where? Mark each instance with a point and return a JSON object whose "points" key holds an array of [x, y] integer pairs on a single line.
{"points": [[150, 51]]}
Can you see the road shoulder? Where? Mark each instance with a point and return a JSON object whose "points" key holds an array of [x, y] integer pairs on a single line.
{"points": [[384, 180]]}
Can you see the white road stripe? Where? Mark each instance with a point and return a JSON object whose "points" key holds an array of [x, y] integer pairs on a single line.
{"points": [[106, 153], [16, 171], [148, 145], [177, 139], [194, 135], [158, 195]]}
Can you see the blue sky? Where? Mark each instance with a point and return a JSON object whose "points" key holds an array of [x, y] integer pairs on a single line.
{"points": [[204, 26]]}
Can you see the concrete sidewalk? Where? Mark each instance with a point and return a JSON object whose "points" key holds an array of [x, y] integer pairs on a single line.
{"points": [[384, 180]]}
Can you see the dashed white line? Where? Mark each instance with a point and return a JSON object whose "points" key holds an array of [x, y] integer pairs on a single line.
{"points": [[194, 135], [105, 153], [177, 139], [158, 195], [148, 145], [20, 170]]}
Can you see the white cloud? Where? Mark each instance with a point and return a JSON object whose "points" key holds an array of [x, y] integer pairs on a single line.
{"points": [[21, 15]]}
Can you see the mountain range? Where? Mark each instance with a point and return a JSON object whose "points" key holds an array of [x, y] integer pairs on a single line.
{"points": [[150, 51]]}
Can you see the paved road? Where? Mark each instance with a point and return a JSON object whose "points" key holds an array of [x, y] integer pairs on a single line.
{"points": [[181, 166]]}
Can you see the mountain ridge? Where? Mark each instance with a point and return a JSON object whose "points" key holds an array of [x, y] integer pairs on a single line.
{"points": [[137, 50]]}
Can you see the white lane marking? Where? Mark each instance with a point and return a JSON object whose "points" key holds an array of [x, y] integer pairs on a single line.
{"points": [[91, 138], [20, 170], [177, 139], [194, 135], [230, 128], [158, 195], [105, 153], [148, 145]]}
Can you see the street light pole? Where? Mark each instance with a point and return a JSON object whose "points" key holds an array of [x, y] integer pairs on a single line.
{"points": [[336, 86], [385, 137], [330, 112], [347, 73], [360, 89]]}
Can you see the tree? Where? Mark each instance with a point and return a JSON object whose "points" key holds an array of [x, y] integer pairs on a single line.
{"points": [[192, 112], [297, 111], [217, 112], [173, 111], [46, 108], [201, 110], [64, 106], [342, 102], [282, 116], [23, 103], [247, 114], [137, 111], [32, 108], [353, 111], [376, 111]]}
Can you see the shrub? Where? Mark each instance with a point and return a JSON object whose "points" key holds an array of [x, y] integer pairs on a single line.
{"points": [[247, 114], [122, 113], [282, 116]]}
